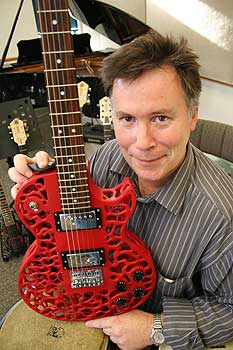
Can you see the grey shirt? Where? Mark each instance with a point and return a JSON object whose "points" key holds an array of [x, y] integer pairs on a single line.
{"points": [[187, 225]]}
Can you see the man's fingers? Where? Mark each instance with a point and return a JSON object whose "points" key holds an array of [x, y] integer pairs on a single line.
{"points": [[105, 322], [21, 162], [42, 159], [107, 330], [21, 171], [14, 190], [17, 177]]}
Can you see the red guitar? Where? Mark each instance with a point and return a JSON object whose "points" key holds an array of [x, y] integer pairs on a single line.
{"points": [[84, 262]]}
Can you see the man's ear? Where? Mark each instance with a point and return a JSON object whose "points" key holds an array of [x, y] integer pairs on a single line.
{"points": [[194, 119]]}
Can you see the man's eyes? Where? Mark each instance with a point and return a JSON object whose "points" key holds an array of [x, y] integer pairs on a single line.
{"points": [[160, 118], [156, 119], [126, 119]]}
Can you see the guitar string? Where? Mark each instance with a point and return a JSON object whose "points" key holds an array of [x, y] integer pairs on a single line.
{"points": [[67, 168], [76, 168], [54, 116]]}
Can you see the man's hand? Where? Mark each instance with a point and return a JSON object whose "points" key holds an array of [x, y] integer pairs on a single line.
{"points": [[21, 172], [130, 331]]}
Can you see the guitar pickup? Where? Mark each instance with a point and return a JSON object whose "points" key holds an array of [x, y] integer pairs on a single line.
{"points": [[78, 221], [83, 258]]}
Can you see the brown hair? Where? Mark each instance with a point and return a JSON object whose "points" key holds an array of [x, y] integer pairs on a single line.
{"points": [[153, 51]]}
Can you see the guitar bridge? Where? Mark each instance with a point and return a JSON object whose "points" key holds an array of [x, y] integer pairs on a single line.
{"points": [[86, 278], [78, 221]]}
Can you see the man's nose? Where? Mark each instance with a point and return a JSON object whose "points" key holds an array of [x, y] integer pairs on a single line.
{"points": [[145, 137]]}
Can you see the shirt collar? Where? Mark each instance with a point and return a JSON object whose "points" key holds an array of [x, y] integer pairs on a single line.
{"points": [[171, 195]]}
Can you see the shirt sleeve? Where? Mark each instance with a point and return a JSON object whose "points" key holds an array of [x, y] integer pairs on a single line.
{"points": [[205, 320]]}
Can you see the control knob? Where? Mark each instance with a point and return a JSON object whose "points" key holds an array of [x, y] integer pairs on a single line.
{"points": [[138, 276], [120, 286], [121, 302], [138, 293]]}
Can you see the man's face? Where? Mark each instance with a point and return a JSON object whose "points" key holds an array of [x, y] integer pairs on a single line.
{"points": [[152, 125]]}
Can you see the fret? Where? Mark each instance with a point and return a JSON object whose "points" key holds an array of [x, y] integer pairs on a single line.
{"points": [[62, 176], [61, 85], [68, 164], [62, 32], [58, 95], [51, 11], [77, 195], [67, 136], [5, 210], [3, 206], [69, 152], [66, 156], [64, 100], [70, 197], [69, 144], [60, 69], [65, 172], [62, 147], [75, 181], [63, 184], [52, 52], [67, 207], [71, 190], [62, 76], [78, 205], [66, 113], [67, 199], [54, 61], [62, 107], [71, 193], [81, 174]]}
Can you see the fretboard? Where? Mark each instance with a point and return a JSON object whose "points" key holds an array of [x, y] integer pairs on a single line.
{"points": [[66, 121], [5, 210], [108, 132]]}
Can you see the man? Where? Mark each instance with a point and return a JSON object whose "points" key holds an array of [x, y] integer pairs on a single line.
{"points": [[184, 202]]}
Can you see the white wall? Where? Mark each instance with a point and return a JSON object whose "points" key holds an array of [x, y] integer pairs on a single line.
{"points": [[208, 26], [216, 100], [25, 28]]}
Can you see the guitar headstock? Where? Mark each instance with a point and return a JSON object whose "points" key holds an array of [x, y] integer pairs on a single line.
{"points": [[105, 110], [83, 89], [19, 131]]}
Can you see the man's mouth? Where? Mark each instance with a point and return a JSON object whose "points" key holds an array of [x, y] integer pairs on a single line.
{"points": [[149, 161]]}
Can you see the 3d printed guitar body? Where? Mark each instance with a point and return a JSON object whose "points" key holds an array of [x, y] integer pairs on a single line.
{"points": [[83, 264]]}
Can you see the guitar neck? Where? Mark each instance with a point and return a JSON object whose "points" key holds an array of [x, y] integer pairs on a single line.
{"points": [[108, 132], [106, 118], [23, 149], [66, 121], [5, 210]]}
